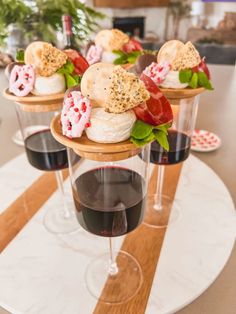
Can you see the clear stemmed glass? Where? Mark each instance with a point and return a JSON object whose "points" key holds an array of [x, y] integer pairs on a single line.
{"points": [[110, 199], [45, 153], [159, 205]]}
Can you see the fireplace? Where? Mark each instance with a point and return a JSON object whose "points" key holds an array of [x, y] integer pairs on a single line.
{"points": [[134, 26]]}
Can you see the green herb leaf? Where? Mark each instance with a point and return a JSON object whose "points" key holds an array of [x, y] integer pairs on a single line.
{"points": [[203, 81], [20, 55], [163, 127], [185, 76], [67, 68], [144, 141], [141, 130], [121, 60], [126, 57], [77, 78], [161, 138], [194, 81], [119, 53], [70, 80]]}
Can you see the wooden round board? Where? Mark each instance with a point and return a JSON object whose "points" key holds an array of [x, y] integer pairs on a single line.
{"points": [[32, 98], [93, 150], [33, 103], [182, 93]]}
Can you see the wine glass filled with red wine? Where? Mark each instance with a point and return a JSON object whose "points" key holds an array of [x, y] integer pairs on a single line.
{"points": [[179, 138], [110, 200], [46, 154]]}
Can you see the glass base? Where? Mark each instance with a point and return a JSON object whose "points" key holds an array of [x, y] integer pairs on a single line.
{"points": [[161, 211], [57, 223], [117, 288]]}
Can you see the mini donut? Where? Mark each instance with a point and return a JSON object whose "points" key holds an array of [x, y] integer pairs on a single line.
{"points": [[21, 81], [75, 115]]}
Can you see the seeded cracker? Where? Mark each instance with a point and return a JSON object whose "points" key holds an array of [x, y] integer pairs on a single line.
{"points": [[125, 92], [187, 58], [51, 60]]}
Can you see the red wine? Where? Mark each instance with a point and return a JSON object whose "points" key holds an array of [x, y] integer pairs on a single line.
{"points": [[179, 149], [44, 152], [109, 201], [69, 40]]}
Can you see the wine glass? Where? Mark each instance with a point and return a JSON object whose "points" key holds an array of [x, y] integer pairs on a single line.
{"points": [[46, 154], [110, 197], [159, 205]]}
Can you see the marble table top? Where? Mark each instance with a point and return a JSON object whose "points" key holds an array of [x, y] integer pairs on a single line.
{"points": [[40, 273]]}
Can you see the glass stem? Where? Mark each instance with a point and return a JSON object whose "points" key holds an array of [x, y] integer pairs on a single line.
{"points": [[112, 268], [65, 212], [160, 181]]}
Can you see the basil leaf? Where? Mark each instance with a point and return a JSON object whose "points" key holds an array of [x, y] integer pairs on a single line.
{"points": [[67, 68], [144, 141], [141, 130], [203, 81], [185, 76], [194, 81], [121, 60], [77, 78], [20, 55], [119, 53], [70, 80], [163, 127], [161, 138], [131, 59]]}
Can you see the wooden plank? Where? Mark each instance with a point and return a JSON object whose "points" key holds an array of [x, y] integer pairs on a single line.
{"points": [[16, 216], [145, 245], [130, 3]]}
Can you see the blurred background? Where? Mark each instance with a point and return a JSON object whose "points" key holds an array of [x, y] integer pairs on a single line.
{"points": [[211, 25]]}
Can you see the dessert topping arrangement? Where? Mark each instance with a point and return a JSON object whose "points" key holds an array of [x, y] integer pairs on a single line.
{"points": [[113, 46], [179, 66], [117, 106], [45, 70]]}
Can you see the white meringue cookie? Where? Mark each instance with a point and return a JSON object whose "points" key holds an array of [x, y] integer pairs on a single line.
{"points": [[53, 84], [172, 81], [110, 127]]}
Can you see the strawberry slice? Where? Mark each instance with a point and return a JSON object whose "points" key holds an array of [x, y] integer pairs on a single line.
{"points": [[78, 60], [132, 45], [157, 109]]}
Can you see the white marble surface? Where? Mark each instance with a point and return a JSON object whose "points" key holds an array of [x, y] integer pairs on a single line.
{"points": [[40, 274], [15, 177]]}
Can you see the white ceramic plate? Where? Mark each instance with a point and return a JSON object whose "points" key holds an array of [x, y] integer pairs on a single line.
{"points": [[205, 141]]}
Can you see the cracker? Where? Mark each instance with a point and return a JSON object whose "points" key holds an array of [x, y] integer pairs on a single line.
{"points": [[188, 57], [126, 91]]}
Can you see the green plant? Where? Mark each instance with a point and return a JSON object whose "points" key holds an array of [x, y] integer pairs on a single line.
{"points": [[42, 18]]}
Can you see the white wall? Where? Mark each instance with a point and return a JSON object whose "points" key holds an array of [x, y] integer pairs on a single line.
{"points": [[155, 17], [215, 11]]}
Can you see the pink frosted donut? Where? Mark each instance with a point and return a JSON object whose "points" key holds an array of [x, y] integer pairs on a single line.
{"points": [[94, 54], [157, 71], [75, 115], [21, 81]]}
